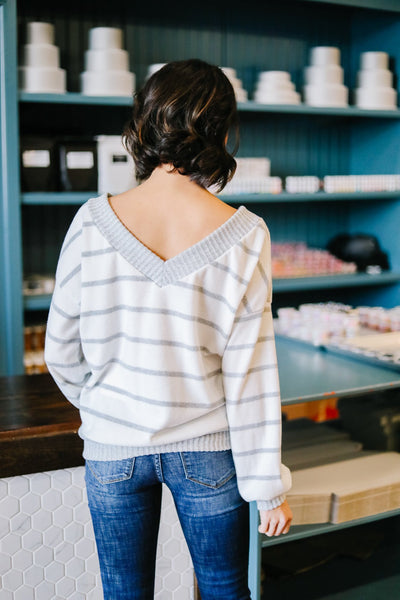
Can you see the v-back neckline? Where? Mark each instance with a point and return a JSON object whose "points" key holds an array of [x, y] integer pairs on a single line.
{"points": [[164, 272]]}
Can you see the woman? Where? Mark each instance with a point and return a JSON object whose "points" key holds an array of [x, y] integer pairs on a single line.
{"points": [[160, 331]]}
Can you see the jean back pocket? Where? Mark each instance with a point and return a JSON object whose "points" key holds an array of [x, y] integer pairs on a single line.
{"points": [[212, 469]]}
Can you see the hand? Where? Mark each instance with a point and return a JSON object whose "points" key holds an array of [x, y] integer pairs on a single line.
{"points": [[276, 521]]}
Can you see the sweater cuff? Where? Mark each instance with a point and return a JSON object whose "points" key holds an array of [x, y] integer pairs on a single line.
{"points": [[270, 504]]}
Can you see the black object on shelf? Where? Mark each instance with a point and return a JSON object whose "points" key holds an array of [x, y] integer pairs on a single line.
{"points": [[361, 248], [39, 164], [78, 165]]}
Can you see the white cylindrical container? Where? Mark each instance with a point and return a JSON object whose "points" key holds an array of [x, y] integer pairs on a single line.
{"points": [[327, 95], [320, 75], [112, 59], [105, 37], [154, 68], [39, 33], [382, 98], [324, 55], [41, 55], [374, 60], [274, 76], [42, 80], [277, 97], [108, 83], [367, 78], [282, 86]]}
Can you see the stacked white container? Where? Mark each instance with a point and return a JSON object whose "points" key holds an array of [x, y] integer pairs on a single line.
{"points": [[275, 87], [375, 82], [237, 84], [324, 78], [107, 65], [40, 71], [116, 169]]}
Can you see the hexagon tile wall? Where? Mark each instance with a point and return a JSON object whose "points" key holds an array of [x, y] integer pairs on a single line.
{"points": [[47, 548]]}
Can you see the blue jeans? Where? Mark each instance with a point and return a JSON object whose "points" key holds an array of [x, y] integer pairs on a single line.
{"points": [[125, 500]]}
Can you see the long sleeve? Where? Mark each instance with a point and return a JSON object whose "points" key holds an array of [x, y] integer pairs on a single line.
{"points": [[63, 350], [251, 385]]}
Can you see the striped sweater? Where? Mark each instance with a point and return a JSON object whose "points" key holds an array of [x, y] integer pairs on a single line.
{"points": [[175, 355]]}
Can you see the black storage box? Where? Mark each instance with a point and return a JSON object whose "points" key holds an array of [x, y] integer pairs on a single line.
{"points": [[39, 164], [78, 165]]}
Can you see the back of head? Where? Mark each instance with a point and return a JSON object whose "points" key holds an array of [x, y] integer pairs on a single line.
{"points": [[182, 116]]}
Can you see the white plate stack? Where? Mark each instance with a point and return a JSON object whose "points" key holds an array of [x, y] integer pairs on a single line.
{"points": [[40, 72], [107, 65], [324, 78], [240, 93], [375, 83], [275, 87]]}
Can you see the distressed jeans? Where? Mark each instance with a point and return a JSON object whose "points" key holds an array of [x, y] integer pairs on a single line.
{"points": [[125, 500]]}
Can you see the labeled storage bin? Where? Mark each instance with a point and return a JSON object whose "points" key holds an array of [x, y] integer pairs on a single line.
{"points": [[116, 169], [78, 164], [39, 164]]}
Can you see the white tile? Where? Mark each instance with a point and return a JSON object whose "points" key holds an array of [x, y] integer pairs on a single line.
{"points": [[172, 581], [72, 496], [86, 582], [171, 548], [75, 567], [46, 591], [62, 516], [5, 594], [40, 483], [41, 520], [65, 587], [9, 507], [17, 486], [53, 536], [3, 489], [5, 564], [22, 560], [84, 548], [30, 503], [61, 480], [10, 544], [51, 499], [64, 552], [43, 556], [32, 540], [33, 576], [24, 593], [20, 523], [4, 526], [54, 572], [73, 532]]}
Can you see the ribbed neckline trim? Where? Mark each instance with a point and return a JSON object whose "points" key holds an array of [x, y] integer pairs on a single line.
{"points": [[190, 260]]}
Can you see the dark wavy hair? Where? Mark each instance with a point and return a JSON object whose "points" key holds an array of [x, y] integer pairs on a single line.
{"points": [[182, 116]]}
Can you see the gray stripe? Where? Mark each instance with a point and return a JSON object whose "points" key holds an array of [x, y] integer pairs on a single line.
{"points": [[253, 370], [247, 250], [106, 417], [202, 290], [88, 223], [90, 253], [114, 279], [61, 340], [154, 402], [265, 338], [256, 425], [154, 372], [263, 273], [259, 477], [63, 313], [255, 315], [154, 311], [71, 240], [70, 276], [253, 398], [258, 451], [139, 340], [66, 365], [231, 273]]}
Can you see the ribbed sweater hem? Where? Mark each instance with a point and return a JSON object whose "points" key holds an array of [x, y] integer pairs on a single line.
{"points": [[205, 443]]}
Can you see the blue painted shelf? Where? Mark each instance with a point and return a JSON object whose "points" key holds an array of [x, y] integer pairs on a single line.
{"points": [[40, 198], [250, 106], [335, 281]]}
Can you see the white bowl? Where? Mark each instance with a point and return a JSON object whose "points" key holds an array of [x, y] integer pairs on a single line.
{"points": [[374, 60], [367, 78], [105, 37], [326, 95], [108, 83], [41, 55], [110, 59], [324, 55], [39, 33], [42, 80]]}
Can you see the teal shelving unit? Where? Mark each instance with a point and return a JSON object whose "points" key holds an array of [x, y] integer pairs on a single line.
{"points": [[299, 140]]}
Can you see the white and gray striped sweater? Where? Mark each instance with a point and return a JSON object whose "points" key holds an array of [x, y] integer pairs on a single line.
{"points": [[175, 355]]}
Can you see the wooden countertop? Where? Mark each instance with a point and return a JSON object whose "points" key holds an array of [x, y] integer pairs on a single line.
{"points": [[38, 427]]}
